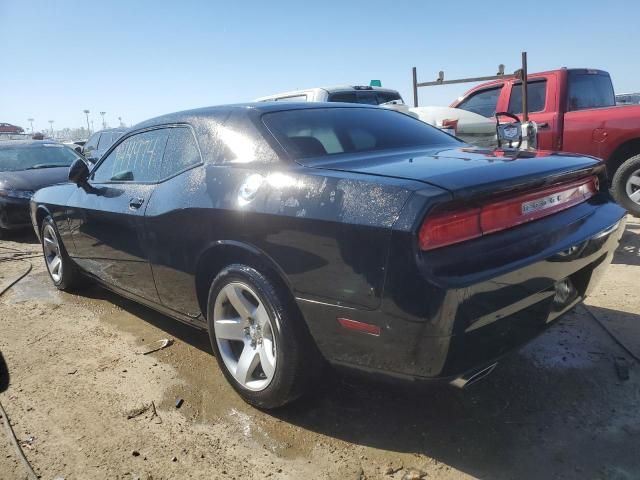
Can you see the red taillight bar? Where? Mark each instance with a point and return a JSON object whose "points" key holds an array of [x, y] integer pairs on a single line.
{"points": [[460, 225]]}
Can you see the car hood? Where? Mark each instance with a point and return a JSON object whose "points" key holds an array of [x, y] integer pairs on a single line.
{"points": [[33, 179], [467, 172]]}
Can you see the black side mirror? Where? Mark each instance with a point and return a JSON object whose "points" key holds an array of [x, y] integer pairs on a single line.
{"points": [[78, 172]]}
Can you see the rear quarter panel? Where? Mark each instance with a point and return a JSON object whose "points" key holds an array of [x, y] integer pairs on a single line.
{"points": [[328, 233]]}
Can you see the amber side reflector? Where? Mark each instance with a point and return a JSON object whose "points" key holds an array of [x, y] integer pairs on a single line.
{"points": [[361, 327]]}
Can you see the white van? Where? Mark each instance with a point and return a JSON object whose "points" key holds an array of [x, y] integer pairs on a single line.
{"points": [[344, 93]]}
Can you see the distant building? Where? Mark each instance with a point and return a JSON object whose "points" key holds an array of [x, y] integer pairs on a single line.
{"points": [[8, 128]]}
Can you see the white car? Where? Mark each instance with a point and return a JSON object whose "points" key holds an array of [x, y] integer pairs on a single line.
{"points": [[343, 93]]}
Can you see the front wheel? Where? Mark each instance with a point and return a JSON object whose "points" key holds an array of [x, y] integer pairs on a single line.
{"points": [[62, 271], [625, 185], [258, 337]]}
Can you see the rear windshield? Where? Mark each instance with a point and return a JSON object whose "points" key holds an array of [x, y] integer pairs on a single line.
{"points": [[369, 97], [590, 90], [321, 132], [32, 157]]}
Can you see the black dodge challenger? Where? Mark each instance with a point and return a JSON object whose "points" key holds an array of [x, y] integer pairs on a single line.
{"points": [[297, 232]]}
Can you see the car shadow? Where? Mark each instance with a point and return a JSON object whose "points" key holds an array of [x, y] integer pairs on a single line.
{"points": [[26, 236], [187, 333], [628, 253], [563, 415], [4, 374]]}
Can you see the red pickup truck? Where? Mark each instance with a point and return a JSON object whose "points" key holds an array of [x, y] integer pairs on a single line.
{"points": [[576, 111]]}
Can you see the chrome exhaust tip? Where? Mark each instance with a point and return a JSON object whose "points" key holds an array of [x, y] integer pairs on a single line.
{"points": [[467, 379]]}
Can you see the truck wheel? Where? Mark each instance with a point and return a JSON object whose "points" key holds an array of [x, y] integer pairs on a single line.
{"points": [[626, 185]]}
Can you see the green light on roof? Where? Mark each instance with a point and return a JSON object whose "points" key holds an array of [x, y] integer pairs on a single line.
{"points": [[375, 83]]}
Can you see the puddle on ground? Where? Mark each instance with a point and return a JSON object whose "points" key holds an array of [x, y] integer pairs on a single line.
{"points": [[35, 286], [566, 349], [207, 398]]}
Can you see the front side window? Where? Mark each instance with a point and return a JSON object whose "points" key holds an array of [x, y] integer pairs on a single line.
{"points": [[137, 159], [537, 97], [321, 132], [589, 90], [483, 102], [181, 152]]}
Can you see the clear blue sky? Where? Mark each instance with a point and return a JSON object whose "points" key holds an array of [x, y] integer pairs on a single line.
{"points": [[138, 59]]}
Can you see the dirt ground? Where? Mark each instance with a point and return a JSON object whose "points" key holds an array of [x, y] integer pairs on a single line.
{"points": [[559, 408]]}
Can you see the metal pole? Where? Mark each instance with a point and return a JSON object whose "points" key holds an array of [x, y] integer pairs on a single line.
{"points": [[31, 122], [415, 86], [525, 89], [86, 112]]}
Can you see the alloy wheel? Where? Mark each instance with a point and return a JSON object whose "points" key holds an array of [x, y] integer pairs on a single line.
{"points": [[52, 255], [633, 186], [245, 336]]}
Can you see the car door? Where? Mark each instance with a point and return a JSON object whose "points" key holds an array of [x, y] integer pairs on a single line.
{"points": [[107, 215], [172, 221], [585, 132], [542, 110]]}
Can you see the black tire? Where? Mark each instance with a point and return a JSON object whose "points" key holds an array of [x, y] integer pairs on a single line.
{"points": [[619, 185], [298, 361], [70, 278]]}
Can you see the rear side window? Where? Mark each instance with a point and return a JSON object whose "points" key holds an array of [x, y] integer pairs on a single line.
{"points": [[181, 152], [136, 159], [321, 132], [369, 97], [537, 97], [483, 102], [589, 90]]}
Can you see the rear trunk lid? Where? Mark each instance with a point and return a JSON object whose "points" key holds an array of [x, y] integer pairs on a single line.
{"points": [[469, 173]]}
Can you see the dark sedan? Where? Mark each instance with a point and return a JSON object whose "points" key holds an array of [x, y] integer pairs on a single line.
{"points": [[99, 142], [297, 232], [26, 166]]}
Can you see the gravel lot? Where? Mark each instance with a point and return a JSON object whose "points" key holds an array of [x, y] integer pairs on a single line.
{"points": [[559, 408]]}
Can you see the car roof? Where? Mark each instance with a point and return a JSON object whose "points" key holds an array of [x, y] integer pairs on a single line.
{"points": [[117, 129], [259, 107], [28, 143]]}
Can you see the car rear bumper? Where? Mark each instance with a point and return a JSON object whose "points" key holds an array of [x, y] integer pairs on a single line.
{"points": [[14, 213], [463, 307]]}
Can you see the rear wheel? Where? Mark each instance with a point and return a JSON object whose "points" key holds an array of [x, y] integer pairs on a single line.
{"points": [[258, 338], [62, 271], [626, 185]]}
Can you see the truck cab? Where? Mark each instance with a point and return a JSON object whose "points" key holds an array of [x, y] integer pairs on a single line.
{"points": [[575, 111]]}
